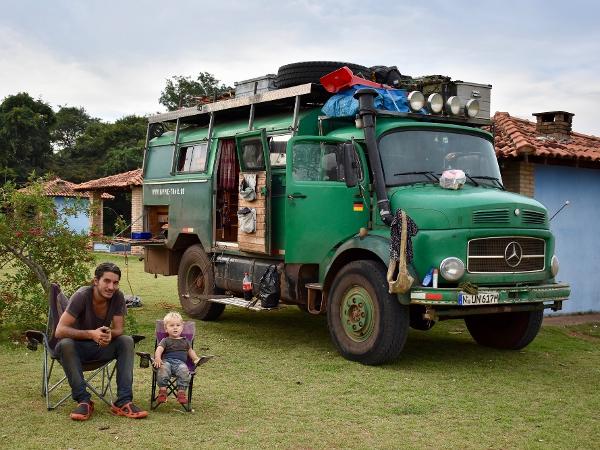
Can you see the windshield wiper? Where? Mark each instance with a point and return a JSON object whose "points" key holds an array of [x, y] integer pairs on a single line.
{"points": [[471, 179], [495, 179], [432, 176]]}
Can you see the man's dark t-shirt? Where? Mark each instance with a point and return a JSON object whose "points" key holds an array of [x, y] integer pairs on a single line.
{"points": [[175, 348], [81, 307]]}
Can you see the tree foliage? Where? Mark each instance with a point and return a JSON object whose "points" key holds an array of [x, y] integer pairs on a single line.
{"points": [[183, 91], [104, 149], [36, 248], [71, 122], [24, 136]]}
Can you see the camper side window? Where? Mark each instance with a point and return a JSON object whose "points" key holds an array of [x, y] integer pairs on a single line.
{"points": [[277, 146], [192, 158], [252, 154]]}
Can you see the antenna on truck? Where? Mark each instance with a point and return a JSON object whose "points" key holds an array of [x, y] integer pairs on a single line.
{"points": [[567, 203]]}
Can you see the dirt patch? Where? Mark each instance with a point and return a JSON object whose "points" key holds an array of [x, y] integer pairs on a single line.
{"points": [[583, 336], [573, 319]]}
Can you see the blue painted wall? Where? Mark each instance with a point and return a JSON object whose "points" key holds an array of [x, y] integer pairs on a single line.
{"points": [[575, 228], [79, 223]]}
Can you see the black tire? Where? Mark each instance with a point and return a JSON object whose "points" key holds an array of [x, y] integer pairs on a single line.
{"points": [[359, 298], [510, 331], [196, 277], [311, 71]]}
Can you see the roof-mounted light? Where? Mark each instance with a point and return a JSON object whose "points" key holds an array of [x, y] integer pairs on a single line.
{"points": [[453, 106], [416, 100], [435, 103], [472, 108]]}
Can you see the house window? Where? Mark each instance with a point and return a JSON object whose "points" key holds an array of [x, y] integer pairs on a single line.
{"points": [[192, 158]]}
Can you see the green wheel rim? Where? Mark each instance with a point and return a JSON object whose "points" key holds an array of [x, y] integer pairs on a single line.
{"points": [[357, 314]]}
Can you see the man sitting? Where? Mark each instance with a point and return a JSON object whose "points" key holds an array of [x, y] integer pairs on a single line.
{"points": [[91, 329]]}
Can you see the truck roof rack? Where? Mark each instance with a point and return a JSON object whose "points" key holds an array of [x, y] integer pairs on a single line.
{"points": [[284, 98]]}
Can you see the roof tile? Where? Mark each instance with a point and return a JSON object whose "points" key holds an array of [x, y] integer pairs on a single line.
{"points": [[119, 181], [514, 137]]}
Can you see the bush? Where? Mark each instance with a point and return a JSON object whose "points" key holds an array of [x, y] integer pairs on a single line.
{"points": [[37, 247]]}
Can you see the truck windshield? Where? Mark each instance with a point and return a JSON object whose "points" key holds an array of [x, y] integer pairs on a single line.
{"points": [[420, 156]]}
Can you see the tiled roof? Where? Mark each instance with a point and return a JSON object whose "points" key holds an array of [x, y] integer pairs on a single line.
{"points": [[515, 137], [119, 181], [62, 188]]}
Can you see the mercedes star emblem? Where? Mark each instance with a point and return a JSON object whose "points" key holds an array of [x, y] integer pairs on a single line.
{"points": [[513, 253]]}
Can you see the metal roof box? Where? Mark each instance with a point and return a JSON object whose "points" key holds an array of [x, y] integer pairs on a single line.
{"points": [[482, 92], [255, 85]]}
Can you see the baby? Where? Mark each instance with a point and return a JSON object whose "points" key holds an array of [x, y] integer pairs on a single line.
{"points": [[170, 359]]}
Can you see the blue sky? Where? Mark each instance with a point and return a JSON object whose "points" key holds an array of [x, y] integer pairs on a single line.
{"points": [[113, 57]]}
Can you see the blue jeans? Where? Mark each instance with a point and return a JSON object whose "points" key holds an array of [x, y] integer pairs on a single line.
{"points": [[173, 368], [73, 353]]}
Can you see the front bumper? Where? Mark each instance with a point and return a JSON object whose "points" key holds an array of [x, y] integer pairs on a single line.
{"points": [[506, 295]]}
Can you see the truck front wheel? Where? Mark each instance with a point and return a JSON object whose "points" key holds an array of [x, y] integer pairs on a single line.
{"points": [[511, 331], [196, 278], [366, 323]]}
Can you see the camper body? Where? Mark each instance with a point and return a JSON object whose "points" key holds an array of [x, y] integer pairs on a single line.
{"points": [[325, 190]]}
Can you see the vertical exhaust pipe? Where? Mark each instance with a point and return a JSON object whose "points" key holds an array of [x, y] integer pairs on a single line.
{"points": [[366, 111]]}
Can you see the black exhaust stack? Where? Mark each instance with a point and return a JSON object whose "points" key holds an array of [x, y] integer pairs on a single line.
{"points": [[366, 111]]}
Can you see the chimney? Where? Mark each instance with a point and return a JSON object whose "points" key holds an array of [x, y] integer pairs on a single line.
{"points": [[555, 124]]}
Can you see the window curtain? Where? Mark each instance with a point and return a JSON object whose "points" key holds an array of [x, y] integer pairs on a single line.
{"points": [[228, 172]]}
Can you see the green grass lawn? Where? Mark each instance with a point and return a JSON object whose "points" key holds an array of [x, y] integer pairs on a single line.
{"points": [[278, 382]]}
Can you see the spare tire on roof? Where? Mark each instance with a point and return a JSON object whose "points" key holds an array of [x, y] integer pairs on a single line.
{"points": [[311, 71]]}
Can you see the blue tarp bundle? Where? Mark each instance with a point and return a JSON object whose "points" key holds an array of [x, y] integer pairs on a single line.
{"points": [[343, 104]]}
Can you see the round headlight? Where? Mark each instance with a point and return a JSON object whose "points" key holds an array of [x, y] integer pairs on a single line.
{"points": [[472, 108], [554, 265], [453, 105], [416, 101], [435, 103], [452, 269]]}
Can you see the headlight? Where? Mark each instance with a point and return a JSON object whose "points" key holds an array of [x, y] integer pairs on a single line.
{"points": [[452, 269], [453, 105], [435, 103], [554, 266], [416, 101], [472, 108]]}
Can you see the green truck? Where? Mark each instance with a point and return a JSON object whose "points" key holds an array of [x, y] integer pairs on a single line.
{"points": [[317, 195]]}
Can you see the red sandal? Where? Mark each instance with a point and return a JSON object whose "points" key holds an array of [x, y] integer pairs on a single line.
{"points": [[129, 410], [83, 411]]}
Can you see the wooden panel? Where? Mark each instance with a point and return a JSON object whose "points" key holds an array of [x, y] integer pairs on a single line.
{"points": [[255, 242]]}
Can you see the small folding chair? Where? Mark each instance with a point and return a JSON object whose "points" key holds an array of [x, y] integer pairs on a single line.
{"points": [[98, 374], [189, 332]]}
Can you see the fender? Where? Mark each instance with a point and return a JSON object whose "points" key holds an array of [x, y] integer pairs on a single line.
{"points": [[375, 244]]}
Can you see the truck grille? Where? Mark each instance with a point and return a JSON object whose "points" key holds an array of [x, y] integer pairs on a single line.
{"points": [[506, 255]]}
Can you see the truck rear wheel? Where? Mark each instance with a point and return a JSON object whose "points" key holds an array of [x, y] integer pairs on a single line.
{"points": [[366, 323], [196, 277], [511, 331]]}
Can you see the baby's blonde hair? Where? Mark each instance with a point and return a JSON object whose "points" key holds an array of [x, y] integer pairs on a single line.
{"points": [[172, 316]]}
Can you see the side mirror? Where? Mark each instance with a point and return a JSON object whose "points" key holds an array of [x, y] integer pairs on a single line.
{"points": [[350, 172]]}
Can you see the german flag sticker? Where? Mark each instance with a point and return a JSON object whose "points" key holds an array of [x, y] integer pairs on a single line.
{"points": [[358, 206]]}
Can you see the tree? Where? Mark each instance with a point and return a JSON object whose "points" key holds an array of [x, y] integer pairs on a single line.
{"points": [[36, 248], [104, 149], [24, 136], [185, 91], [71, 122]]}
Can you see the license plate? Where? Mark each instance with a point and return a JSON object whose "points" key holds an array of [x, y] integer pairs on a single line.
{"points": [[483, 298]]}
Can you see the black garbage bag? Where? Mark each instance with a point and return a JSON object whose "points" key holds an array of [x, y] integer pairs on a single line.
{"points": [[268, 288]]}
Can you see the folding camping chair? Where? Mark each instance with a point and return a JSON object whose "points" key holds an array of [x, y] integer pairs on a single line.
{"points": [[99, 373], [189, 332]]}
